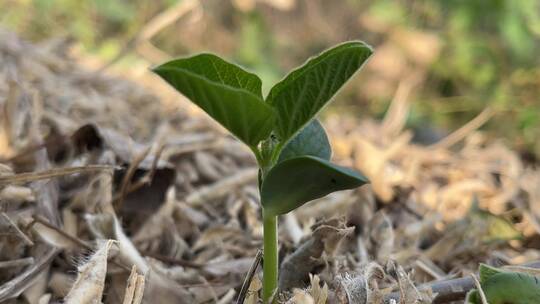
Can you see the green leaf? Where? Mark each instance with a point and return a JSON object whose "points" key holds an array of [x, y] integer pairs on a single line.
{"points": [[296, 181], [506, 287], [311, 140], [305, 91], [473, 297], [487, 272], [512, 288], [226, 92], [215, 69]]}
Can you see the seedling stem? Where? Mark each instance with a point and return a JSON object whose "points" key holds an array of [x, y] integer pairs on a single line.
{"points": [[270, 257]]}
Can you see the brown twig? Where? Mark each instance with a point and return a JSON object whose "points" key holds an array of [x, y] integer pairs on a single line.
{"points": [[13, 287], [397, 113], [27, 177], [126, 181], [17, 262], [173, 261], [154, 26], [479, 288], [462, 132], [148, 177], [145, 180], [21, 234], [56, 140], [75, 240], [249, 277]]}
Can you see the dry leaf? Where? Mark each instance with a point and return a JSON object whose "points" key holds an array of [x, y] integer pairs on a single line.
{"points": [[135, 287], [90, 282]]}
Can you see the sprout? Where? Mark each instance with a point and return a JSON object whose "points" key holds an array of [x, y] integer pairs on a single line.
{"points": [[290, 145]]}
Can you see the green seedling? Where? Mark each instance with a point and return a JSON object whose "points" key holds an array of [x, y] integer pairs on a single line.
{"points": [[290, 145], [506, 287]]}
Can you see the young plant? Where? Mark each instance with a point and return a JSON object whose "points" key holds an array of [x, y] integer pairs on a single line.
{"points": [[290, 145]]}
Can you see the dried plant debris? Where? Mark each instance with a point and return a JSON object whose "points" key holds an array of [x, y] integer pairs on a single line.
{"points": [[101, 179], [314, 252], [361, 287], [90, 283], [135, 287]]}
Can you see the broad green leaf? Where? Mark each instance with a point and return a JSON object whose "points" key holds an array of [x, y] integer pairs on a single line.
{"points": [[215, 69], [487, 272], [311, 140], [296, 181], [509, 288], [473, 297], [227, 93], [305, 91]]}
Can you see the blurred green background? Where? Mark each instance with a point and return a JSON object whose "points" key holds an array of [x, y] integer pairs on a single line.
{"points": [[455, 57]]}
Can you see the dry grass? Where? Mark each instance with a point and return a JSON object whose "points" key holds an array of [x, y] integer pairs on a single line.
{"points": [[111, 194]]}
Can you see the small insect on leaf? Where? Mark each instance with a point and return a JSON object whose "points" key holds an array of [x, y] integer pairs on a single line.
{"points": [[296, 181], [229, 94]]}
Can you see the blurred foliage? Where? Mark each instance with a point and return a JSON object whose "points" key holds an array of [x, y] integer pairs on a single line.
{"points": [[488, 57]]}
